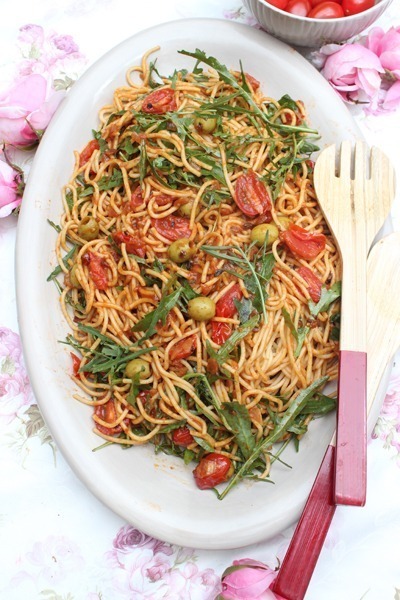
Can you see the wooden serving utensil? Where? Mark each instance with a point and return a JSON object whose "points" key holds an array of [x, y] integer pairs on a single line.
{"points": [[383, 309], [355, 199]]}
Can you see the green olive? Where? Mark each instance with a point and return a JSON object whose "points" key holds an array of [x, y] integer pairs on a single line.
{"points": [[181, 250], [186, 209], [138, 365], [284, 221], [88, 229], [74, 281], [201, 308], [205, 124], [259, 234]]}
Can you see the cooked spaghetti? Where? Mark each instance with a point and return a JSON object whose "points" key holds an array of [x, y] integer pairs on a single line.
{"points": [[200, 278]]}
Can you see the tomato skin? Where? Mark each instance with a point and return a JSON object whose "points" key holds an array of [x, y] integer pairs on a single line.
{"points": [[76, 363], [315, 2], [225, 307], [88, 151], [172, 227], [220, 332], [326, 10], [301, 8], [278, 3], [183, 349], [251, 195], [97, 269], [255, 84], [303, 243], [133, 244], [353, 7], [182, 437], [314, 284], [212, 470], [160, 102], [106, 412]]}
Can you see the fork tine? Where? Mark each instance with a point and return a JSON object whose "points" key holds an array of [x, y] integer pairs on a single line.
{"points": [[361, 170], [345, 160]]}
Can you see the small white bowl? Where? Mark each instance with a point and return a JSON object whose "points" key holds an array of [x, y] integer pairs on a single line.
{"points": [[306, 32]]}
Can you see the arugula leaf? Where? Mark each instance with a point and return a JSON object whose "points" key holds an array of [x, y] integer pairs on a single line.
{"points": [[134, 391], [320, 405], [244, 308], [58, 269], [327, 297], [203, 444], [238, 418], [244, 329], [115, 180], [299, 334], [149, 322], [282, 426], [103, 145]]}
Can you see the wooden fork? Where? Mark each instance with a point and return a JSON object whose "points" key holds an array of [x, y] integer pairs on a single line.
{"points": [[355, 194], [383, 306]]}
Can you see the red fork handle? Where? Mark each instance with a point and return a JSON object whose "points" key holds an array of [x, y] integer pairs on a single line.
{"points": [[351, 430], [302, 555]]}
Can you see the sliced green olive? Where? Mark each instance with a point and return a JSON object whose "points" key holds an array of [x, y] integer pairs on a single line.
{"points": [[201, 308], [205, 124], [73, 279], [138, 365], [88, 229], [259, 234], [181, 250]]}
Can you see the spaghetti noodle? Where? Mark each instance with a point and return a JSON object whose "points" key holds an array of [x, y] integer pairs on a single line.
{"points": [[200, 278]]}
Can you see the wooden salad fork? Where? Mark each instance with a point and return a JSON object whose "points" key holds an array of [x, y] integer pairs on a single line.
{"points": [[383, 310], [355, 194]]}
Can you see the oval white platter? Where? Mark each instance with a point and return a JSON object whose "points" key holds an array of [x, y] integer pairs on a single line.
{"points": [[157, 493]]}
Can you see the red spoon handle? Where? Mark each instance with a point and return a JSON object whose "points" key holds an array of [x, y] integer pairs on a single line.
{"points": [[302, 555], [351, 430]]}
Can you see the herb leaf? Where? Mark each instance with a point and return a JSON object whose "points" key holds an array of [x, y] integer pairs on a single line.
{"points": [[238, 418], [299, 334], [327, 297], [149, 322]]}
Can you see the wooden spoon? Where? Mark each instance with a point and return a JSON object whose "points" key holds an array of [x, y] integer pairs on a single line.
{"points": [[383, 308], [355, 203]]}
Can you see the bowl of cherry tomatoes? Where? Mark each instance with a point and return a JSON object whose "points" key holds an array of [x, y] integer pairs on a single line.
{"points": [[312, 23]]}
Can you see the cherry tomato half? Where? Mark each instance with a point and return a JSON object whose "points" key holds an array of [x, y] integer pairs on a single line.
{"points": [[301, 8], [135, 201], [183, 349], [220, 332], [225, 307], [133, 244], [251, 195], [106, 412], [315, 2], [172, 227], [212, 470], [314, 284], [278, 3], [326, 10], [182, 437], [88, 151], [97, 269], [303, 243], [160, 102], [353, 7]]}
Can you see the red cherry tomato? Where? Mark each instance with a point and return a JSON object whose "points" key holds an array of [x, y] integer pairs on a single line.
{"points": [[135, 201], [220, 332], [160, 102], [303, 243], [212, 470], [314, 284], [255, 84], [278, 3], [315, 2], [97, 269], [353, 7], [326, 10], [251, 195], [225, 307], [183, 349], [172, 227], [298, 7], [88, 151], [106, 412], [134, 245], [76, 363], [182, 437]]}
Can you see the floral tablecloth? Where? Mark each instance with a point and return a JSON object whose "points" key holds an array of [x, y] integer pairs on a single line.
{"points": [[58, 542]]}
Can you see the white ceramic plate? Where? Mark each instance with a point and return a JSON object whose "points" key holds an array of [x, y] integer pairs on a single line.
{"points": [[157, 493]]}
